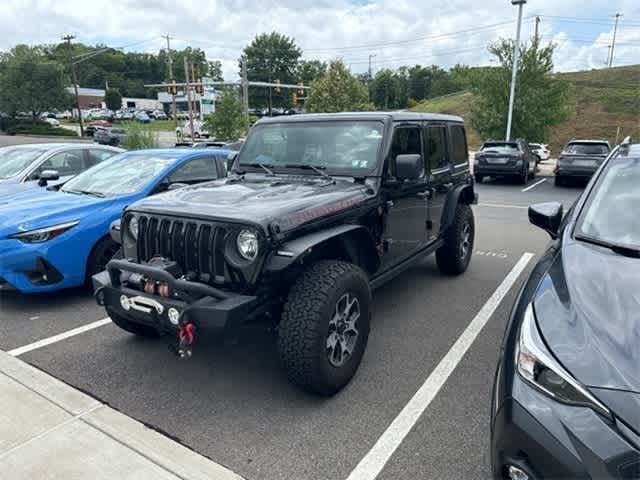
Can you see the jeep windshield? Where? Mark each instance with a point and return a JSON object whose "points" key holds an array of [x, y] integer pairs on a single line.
{"points": [[120, 175], [341, 147]]}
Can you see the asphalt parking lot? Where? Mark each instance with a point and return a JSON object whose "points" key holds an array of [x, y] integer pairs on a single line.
{"points": [[417, 408]]}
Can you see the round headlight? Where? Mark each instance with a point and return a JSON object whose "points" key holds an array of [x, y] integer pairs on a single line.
{"points": [[133, 227], [247, 243]]}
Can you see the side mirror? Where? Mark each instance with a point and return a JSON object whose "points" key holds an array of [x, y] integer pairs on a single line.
{"points": [[46, 176], [547, 216], [114, 232], [409, 167]]}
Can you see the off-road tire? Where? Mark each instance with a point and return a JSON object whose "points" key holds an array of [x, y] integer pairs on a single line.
{"points": [[304, 327], [135, 328], [449, 257], [524, 177]]}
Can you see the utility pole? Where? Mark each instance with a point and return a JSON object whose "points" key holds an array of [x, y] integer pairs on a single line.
{"points": [[608, 54], [170, 62], [537, 37], [245, 91], [514, 73], [194, 79], [74, 76], [370, 71], [613, 44], [188, 87]]}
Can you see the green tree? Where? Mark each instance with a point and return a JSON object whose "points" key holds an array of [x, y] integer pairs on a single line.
{"points": [[227, 123], [113, 99], [337, 91], [540, 99], [270, 56], [215, 71], [310, 70], [388, 90], [30, 82]]}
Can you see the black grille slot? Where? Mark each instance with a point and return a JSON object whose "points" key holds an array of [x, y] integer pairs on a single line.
{"points": [[197, 247]]}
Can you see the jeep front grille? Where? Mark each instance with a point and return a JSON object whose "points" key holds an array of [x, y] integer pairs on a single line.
{"points": [[197, 246]]}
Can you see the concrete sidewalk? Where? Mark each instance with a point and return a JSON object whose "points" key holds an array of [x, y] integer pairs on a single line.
{"points": [[49, 430]]}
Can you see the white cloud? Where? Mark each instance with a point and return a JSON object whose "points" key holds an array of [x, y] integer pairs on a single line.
{"points": [[323, 27]]}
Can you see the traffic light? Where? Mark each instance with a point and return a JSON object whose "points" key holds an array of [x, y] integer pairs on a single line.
{"points": [[200, 87], [301, 89], [277, 89], [173, 88], [294, 99]]}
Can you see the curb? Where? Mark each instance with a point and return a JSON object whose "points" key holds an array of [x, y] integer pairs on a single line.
{"points": [[174, 458]]}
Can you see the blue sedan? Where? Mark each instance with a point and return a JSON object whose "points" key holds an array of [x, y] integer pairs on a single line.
{"points": [[51, 240]]}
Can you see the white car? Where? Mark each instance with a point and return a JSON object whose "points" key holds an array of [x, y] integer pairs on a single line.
{"points": [[198, 130], [51, 121], [541, 150]]}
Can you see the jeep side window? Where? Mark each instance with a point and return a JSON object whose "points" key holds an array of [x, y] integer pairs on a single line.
{"points": [[459, 154], [406, 140], [437, 147]]}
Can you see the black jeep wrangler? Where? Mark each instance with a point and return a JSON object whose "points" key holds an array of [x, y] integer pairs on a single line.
{"points": [[317, 212]]}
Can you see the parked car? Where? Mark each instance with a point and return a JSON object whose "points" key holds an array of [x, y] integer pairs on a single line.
{"points": [[90, 129], [58, 239], [541, 150], [25, 167], [566, 397], [498, 158], [199, 130], [320, 210], [51, 121], [110, 136], [142, 117], [158, 115], [580, 159]]}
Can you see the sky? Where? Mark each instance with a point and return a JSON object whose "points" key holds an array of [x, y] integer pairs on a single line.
{"points": [[394, 32]]}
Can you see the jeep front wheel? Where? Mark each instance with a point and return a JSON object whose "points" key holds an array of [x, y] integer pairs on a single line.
{"points": [[325, 326], [454, 256]]}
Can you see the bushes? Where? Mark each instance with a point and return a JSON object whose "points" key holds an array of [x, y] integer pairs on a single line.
{"points": [[21, 126], [138, 137]]}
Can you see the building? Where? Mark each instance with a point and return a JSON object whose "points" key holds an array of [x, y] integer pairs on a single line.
{"points": [[94, 98]]}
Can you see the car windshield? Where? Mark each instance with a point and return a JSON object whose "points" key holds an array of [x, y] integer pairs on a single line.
{"points": [[611, 213], [534, 146], [500, 147], [121, 175], [341, 146], [587, 148], [15, 160]]}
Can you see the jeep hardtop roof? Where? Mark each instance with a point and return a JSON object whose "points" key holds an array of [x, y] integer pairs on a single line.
{"points": [[384, 116]]}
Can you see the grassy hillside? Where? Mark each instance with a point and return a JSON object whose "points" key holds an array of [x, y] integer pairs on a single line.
{"points": [[602, 101]]}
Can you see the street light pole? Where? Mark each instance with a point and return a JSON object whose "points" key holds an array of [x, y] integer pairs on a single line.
{"points": [[514, 73]]}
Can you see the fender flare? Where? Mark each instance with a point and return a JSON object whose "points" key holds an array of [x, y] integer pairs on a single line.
{"points": [[464, 194], [357, 242]]}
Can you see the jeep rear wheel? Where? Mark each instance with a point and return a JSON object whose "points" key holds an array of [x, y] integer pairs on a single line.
{"points": [[325, 326], [454, 256]]}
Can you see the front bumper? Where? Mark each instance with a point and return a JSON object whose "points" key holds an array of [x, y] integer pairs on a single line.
{"points": [[206, 307], [548, 439]]}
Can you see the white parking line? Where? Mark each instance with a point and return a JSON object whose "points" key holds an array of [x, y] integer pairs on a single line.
{"points": [[502, 205], [57, 338], [375, 460], [531, 187]]}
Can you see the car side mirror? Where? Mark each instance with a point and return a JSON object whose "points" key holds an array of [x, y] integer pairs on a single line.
{"points": [[409, 166], [547, 216], [115, 232], [47, 176]]}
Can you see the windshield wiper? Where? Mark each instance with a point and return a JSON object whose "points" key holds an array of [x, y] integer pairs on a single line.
{"points": [[86, 192], [317, 169], [266, 167], [614, 247]]}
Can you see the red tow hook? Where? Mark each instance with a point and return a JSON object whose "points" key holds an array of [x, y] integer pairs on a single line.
{"points": [[186, 336]]}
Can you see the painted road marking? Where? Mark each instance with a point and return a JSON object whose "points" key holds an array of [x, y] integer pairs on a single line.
{"points": [[57, 338], [502, 205], [375, 460], [531, 187], [482, 253]]}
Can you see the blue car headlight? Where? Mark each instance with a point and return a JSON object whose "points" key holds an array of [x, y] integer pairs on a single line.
{"points": [[43, 234], [538, 367]]}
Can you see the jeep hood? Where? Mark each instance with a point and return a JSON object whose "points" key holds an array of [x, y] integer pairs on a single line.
{"points": [[283, 202], [588, 310], [43, 208]]}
